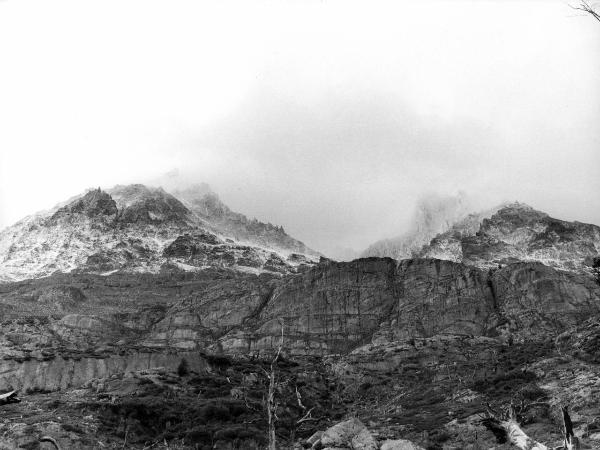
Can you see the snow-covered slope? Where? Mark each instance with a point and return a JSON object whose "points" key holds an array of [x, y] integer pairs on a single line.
{"points": [[131, 228]]}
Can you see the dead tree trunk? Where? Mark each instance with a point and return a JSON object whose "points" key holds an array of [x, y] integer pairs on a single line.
{"points": [[571, 442], [271, 403]]}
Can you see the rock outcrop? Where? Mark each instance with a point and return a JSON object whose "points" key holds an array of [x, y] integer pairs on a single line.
{"points": [[351, 434], [93, 203]]}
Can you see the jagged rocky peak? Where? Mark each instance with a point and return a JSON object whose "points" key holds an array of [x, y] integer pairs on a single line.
{"points": [[518, 232], [444, 228], [515, 215], [95, 202], [142, 204]]}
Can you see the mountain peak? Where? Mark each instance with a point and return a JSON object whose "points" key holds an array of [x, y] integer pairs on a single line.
{"points": [[517, 232], [138, 203], [514, 215], [95, 202]]}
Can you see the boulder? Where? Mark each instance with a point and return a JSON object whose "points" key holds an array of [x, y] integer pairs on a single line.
{"points": [[351, 434], [400, 444]]}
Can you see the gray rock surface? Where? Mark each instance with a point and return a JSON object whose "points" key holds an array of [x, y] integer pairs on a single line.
{"points": [[350, 434]]}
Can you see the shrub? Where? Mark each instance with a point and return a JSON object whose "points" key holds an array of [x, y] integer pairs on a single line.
{"points": [[183, 368]]}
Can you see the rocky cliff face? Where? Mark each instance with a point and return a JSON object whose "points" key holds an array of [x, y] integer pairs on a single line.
{"points": [[441, 297], [335, 307], [538, 300], [330, 308], [138, 229]]}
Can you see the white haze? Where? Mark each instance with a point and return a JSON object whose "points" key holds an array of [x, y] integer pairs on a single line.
{"points": [[331, 118]]}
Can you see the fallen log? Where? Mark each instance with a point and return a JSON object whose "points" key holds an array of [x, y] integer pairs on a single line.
{"points": [[9, 397], [506, 429]]}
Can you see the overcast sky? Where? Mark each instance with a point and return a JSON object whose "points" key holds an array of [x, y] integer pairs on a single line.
{"points": [[329, 117]]}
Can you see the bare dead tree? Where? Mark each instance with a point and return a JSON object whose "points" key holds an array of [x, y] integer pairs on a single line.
{"points": [[588, 9], [571, 441], [271, 402]]}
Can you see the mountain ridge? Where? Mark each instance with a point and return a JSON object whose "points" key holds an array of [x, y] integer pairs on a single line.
{"points": [[131, 227], [509, 232]]}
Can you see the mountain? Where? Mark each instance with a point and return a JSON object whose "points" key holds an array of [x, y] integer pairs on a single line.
{"points": [[144, 229], [510, 232], [156, 326], [517, 232]]}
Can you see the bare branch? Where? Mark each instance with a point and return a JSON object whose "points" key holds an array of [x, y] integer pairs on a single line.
{"points": [[299, 398], [51, 440], [585, 7], [271, 403], [306, 417]]}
